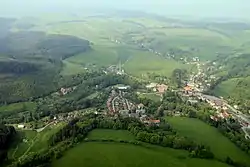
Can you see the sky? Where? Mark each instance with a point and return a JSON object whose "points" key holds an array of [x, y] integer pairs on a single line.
{"points": [[193, 8]]}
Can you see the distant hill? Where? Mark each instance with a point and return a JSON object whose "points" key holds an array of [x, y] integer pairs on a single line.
{"points": [[30, 61]]}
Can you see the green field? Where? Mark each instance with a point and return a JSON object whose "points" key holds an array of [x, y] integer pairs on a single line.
{"points": [[95, 154], [34, 141], [208, 135], [151, 96], [143, 62], [111, 134], [15, 107]]}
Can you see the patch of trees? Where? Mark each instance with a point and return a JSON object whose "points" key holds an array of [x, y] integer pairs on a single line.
{"points": [[179, 76], [30, 44], [16, 67], [76, 130], [6, 135]]}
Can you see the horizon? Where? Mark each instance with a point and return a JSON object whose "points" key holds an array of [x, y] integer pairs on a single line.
{"points": [[187, 8]]}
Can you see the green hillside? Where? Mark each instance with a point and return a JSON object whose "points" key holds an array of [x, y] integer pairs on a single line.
{"points": [[204, 133]]}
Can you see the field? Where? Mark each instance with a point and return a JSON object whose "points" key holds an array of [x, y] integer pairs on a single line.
{"points": [[32, 141], [142, 63], [111, 134], [151, 96], [203, 133], [123, 155], [15, 107]]}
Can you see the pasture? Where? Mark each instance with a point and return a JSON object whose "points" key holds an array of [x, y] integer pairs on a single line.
{"points": [[208, 135], [111, 134], [32, 141], [18, 107], [152, 96], [93, 154], [142, 63]]}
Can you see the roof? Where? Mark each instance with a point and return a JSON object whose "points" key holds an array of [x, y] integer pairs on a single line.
{"points": [[188, 88], [162, 88], [154, 121]]}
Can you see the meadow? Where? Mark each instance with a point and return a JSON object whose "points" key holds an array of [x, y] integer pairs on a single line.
{"points": [[32, 141], [111, 134], [15, 107], [208, 135], [92, 154]]}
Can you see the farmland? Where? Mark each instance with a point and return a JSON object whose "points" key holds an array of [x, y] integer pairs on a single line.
{"points": [[203, 133]]}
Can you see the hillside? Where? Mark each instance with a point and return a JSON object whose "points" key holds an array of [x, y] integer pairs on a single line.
{"points": [[234, 77], [30, 62]]}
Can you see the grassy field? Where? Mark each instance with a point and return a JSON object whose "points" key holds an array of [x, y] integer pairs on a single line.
{"points": [[34, 141], [203, 133], [143, 62], [111, 134], [95, 154], [151, 96], [19, 149], [28, 106]]}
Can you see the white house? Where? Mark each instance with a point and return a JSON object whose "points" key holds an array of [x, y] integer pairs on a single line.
{"points": [[20, 126]]}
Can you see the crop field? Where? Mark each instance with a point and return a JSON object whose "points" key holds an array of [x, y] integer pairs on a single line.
{"points": [[111, 134], [94, 154], [208, 135]]}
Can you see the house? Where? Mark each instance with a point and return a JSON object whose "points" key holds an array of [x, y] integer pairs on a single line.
{"points": [[214, 118], [123, 87], [152, 122], [20, 126], [134, 115], [161, 88], [140, 111], [151, 85], [140, 106], [124, 113]]}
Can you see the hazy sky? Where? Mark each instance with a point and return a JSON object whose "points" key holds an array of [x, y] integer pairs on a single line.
{"points": [[201, 8]]}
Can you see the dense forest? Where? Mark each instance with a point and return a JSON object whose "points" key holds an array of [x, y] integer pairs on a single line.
{"points": [[7, 133]]}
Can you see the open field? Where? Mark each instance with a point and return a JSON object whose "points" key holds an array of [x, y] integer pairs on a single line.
{"points": [[34, 141], [144, 62], [111, 134], [151, 96], [15, 107], [93, 154], [208, 135]]}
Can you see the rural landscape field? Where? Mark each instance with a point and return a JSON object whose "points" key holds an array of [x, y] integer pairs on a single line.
{"points": [[123, 88]]}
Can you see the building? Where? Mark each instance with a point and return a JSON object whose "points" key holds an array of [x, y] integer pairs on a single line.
{"points": [[152, 122], [161, 88], [123, 87], [20, 126], [151, 85]]}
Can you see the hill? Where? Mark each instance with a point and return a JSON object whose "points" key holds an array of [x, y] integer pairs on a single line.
{"points": [[233, 78]]}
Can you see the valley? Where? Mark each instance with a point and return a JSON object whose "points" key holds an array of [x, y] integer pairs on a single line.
{"points": [[118, 90]]}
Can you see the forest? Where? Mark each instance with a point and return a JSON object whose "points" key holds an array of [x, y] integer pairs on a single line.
{"points": [[7, 134]]}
